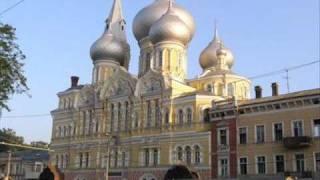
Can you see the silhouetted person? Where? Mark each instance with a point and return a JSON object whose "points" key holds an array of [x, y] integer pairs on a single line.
{"points": [[46, 174]]}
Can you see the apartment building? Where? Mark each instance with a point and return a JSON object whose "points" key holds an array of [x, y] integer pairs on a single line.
{"points": [[271, 137]]}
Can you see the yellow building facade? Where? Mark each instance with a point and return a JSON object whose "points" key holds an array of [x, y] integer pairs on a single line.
{"points": [[138, 127]]}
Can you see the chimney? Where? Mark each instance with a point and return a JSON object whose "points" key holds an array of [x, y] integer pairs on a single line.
{"points": [[74, 81], [258, 91], [275, 89]]}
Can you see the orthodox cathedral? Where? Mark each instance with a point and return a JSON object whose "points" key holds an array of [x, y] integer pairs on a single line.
{"points": [[139, 126]]}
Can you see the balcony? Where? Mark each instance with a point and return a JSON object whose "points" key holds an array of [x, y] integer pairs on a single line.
{"points": [[297, 142]]}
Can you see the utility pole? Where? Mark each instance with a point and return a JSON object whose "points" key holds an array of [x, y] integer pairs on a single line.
{"points": [[8, 166]]}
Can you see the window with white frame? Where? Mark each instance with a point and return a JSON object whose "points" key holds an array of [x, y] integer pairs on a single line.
{"points": [[279, 163], [261, 165], [299, 162], [260, 134], [243, 135], [316, 127], [317, 161], [223, 164], [223, 137], [297, 128], [243, 166], [278, 131]]}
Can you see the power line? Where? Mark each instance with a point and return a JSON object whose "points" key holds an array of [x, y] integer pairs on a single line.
{"points": [[11, 7], [26, 116]]}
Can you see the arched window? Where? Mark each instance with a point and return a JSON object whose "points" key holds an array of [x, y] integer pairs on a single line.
{"points": [[196, 154], [66, 161], [57, 160], [180, 117], [70, 130], [111, 117], [206, 115], [136, 121], [61, 162], [179, 153], [230, 89], [148, 61], [166, 57], [189, 115], [167, 117], [123, 159], [209, 88], [119, 117], [220, 90], [116, 158], [60, 132], [158, 118], [126, 117], [97, 127], [146, 157], [64, 131], [188, 154], [160, 58], [155, 157], [148, 114]]}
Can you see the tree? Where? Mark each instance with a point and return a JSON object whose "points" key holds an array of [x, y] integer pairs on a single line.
{"points": [[9, 136], [12, 79]]}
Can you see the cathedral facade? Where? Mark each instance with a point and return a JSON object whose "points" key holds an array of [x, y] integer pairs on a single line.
{"points": [[138, 126]]}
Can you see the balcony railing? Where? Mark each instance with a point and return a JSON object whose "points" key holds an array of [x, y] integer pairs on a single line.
{"points": [[297, 142]]}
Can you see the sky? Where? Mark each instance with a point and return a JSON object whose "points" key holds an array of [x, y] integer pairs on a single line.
{"points": [[56, 36]]}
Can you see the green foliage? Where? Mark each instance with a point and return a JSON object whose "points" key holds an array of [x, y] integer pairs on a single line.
{"points": [[12, 79], [9, 136]]}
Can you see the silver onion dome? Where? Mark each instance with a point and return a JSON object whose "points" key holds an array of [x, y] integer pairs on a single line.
{"points": [[107, 47], [152, 13], [209, 56], [170, 28]]}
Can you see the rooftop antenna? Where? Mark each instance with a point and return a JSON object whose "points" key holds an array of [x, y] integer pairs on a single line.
{"points": [[287, 77]]}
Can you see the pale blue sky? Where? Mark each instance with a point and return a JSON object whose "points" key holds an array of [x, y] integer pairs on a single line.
{"points": [[56, 35]]}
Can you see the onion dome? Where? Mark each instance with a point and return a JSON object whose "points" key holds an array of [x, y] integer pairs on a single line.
{"points": [[107, 47], [152, 13], [170, 28], [209, 56]]}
